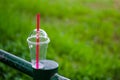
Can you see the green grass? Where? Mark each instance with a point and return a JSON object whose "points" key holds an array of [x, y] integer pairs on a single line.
{"points": [[85, 36]]}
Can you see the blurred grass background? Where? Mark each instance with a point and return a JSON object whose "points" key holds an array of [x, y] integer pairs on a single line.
{"points": [[85, 36]]}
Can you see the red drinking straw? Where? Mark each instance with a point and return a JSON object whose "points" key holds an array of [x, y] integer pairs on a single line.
{"points": [[37, 40]]}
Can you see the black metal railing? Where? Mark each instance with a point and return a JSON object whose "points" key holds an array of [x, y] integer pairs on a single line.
{"points": [[23, 65]]}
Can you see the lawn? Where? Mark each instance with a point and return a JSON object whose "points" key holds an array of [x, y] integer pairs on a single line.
{"points": [[84, 34]]}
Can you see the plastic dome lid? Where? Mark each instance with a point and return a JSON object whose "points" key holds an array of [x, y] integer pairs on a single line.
{"points": [[42, 35]]}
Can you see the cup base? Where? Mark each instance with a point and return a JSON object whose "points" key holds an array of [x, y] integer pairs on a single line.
{"points": [[34, 65]]}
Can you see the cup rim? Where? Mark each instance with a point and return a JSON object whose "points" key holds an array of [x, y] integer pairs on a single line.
{"points": [[32, 42]]}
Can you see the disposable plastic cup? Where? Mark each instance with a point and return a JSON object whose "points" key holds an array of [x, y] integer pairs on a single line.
{"points": [[43, 44]]}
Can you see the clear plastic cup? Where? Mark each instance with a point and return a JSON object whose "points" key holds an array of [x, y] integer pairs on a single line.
{"points": [[43, 44]]}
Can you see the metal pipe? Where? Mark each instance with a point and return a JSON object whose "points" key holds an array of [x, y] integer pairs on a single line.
{"points": [[16, 62], [22, 65]]}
